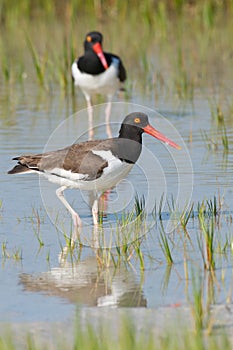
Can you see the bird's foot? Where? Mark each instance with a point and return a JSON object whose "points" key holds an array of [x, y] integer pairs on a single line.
{"points": [[76, 220]]}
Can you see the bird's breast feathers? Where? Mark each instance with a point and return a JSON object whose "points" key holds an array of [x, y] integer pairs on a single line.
{"points": [[107, 79]]}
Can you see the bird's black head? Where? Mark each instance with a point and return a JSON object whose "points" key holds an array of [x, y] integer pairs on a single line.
{"points": [[137, 119], [136, 123], [133, 126], [92, 38], [93, 44]]}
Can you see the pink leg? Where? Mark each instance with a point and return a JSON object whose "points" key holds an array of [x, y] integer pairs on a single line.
{"points": [[104, 200], [90, 118], [107, 119], [76, 218], [95, 212]]}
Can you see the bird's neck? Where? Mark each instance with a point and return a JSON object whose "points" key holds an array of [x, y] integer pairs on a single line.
{"points": [[130, 144], [131, 133]]}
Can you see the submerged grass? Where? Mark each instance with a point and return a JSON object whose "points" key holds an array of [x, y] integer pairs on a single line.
{"points": [[225, 139], [117, 245], [166, 63], [131, 237], [165, 246], [207, 237], [130, 229], [133, 255], [124, 336], [14, 254], [197, 304]]}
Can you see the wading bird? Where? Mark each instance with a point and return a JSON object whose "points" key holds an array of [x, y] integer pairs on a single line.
{"points": [[92, 165], [98, 72]]}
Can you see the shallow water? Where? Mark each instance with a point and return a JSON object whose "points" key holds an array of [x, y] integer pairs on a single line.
{"points": [[36, 288], [39, 286]]}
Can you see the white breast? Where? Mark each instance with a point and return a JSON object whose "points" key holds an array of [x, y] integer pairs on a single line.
{"points": [[105, 83], [113, 173]]}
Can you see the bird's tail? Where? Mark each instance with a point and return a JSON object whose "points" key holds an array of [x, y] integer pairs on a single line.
{"points": [[19, 169]]}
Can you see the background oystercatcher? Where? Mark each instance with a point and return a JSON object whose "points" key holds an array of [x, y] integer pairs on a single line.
{"points": [[98, 72], [92, 165]]}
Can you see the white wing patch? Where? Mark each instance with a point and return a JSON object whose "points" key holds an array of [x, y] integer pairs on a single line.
{"points": [[115, 165], [113, 173], [106, 155], [67, 174]]}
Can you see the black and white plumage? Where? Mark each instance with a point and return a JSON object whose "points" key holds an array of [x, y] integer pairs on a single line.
{"points": [[98, 72], [92, 165]]}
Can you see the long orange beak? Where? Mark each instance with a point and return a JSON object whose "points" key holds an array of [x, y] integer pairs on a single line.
{"points": [[155, 133], [99, 52]]}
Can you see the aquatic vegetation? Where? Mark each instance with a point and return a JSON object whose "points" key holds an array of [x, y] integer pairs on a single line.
{"points": [[206, 238], [212, 142], [172, 62], [164, 66], [185, 216], [36, 224], [14, 254], [164, 244], [197, 304], [38, 63], [123, 243], [126, 336], [225, 140]]}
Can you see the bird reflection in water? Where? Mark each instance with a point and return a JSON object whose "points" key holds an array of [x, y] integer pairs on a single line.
{"points": [[87, 284]]}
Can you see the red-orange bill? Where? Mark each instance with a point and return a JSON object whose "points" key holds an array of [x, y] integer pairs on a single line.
{"points": [[99, 52], [155, 133]]}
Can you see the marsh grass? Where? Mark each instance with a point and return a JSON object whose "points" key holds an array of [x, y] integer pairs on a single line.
{"points": [[6, 69], [133, 255], [36, 224], [165, 246], [203, 299], [210, 241], [219, 136], [158, 209], [197, 304], [172, 54], [39, 63], [225, 141], [14, 254], [201, 308], [212, 207], [206, 238], [210, 141], [165, 45], [123, 241], [125, 335], [125, 255], [186, 214]]}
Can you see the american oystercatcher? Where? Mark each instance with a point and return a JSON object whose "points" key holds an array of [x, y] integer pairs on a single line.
{"points": [[98, 72], [92, 165]]}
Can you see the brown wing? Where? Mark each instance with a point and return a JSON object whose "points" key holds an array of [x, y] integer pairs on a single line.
{"points": [[77, 158]]}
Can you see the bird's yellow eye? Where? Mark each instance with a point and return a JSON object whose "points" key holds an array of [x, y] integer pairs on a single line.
{"points": [[89, 38], [137, 120]]}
